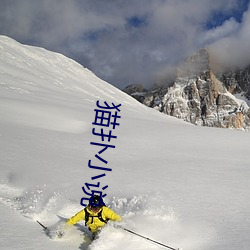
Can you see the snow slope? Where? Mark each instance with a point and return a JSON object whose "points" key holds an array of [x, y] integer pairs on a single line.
{"points": [[176, 183]]}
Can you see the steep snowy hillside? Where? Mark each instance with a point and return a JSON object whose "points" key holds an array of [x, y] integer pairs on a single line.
{"points": [[179, 184]]}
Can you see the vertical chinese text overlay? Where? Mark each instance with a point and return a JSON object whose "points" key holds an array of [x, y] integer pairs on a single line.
{"points": [[104, 125]]}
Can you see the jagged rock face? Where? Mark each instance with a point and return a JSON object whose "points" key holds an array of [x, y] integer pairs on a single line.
{"points": [[133, 88], [199, 97], [205, 102], [137, 91], [237, 81]]}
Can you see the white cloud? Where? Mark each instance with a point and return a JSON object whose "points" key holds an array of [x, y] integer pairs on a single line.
{"points": [[233, 50], [228, 28], [97, 32]]}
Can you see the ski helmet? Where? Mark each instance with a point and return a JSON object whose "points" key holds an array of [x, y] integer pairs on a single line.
{"points": [[96, 201]]}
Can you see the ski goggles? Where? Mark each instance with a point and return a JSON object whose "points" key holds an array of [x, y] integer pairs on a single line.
{"points": [[94, 208]]}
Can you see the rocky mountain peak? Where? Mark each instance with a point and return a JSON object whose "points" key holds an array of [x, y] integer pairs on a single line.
{"points": [[200, 96], [196, 64]]}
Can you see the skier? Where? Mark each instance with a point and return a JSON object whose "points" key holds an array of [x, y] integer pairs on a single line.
{"points": [[96, 215]]}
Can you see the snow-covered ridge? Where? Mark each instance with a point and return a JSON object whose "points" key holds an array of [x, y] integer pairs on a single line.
{"points": [[33, 74], [34, 66]]}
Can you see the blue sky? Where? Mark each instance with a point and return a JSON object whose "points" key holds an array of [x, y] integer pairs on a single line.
{"points": [[218, 17], [131, 41]]}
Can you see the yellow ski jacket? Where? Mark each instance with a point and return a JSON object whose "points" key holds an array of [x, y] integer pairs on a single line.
{"points": [[94, 223]]}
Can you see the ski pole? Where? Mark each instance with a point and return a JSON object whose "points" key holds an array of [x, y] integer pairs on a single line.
{"points": [[150, 239], [45, 228]]}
